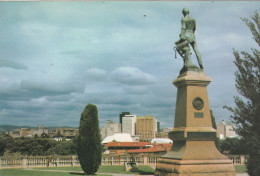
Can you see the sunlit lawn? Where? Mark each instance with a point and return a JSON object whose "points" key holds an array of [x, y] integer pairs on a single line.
{"points": [[240, 168], [107, 169], [24, 172], [70, 171]]}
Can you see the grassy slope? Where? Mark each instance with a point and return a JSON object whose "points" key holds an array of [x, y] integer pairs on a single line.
{"points": [[68, 171], [240, 168], [24, 172]]}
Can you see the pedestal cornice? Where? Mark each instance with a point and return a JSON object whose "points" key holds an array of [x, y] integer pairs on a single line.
{"points": [[198, 78]]}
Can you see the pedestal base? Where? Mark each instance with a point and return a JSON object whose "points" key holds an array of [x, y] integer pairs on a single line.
{"points": [[173, 167], [193, 157]]}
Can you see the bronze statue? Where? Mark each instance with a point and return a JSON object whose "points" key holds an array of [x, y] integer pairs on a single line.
{"points": [[187, 39]]}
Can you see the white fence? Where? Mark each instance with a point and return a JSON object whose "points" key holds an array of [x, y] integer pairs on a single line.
{"points": [[65, 161]]}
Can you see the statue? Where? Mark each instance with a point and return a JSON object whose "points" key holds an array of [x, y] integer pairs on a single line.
{"points": [[187, 39]]}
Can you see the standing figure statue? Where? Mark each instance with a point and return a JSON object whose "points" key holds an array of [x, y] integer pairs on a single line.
{"points": [[187, 39]]}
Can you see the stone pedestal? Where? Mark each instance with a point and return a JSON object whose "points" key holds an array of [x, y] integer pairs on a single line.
{"points": [[193, 151]]}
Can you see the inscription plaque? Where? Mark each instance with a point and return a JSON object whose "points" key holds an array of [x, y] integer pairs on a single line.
{"points": [[198, 114]]}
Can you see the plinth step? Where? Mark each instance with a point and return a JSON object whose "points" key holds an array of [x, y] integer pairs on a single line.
{"points": [[172, 167]]}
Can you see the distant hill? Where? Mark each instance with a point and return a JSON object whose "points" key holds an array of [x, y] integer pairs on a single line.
{"points": [[6, 128]]}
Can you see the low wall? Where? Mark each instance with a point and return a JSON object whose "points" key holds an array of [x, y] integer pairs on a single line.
{"points": [[65, 161], [238, 159], [38, 161]]}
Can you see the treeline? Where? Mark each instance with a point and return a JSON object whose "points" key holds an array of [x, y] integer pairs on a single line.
{"points": [[233, 146], [36, 146], [45, 146]]}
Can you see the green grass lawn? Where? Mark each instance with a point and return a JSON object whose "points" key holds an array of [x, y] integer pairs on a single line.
{"points": [[108, 169], [70, 171], [240, 168], [24, 172]]}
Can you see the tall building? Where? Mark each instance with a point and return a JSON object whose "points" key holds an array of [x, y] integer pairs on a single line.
{"points": [[110, 128], [146, 127], [122, 115], [221, 128], [128, 124], [225, 130], [158, 127]]}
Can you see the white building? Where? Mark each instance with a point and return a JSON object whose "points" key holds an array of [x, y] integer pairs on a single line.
{"points": [[230, 131], [162, 141], [128, 124], [110, 128], [226, 130], [118, 137]]}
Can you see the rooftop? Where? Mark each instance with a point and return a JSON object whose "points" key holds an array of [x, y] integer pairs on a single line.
{"points": [[127, 144]]}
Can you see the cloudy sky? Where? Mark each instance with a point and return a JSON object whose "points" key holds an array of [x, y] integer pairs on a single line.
{"points": [[56, 57]]}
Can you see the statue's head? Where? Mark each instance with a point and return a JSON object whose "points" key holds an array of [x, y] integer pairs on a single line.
{"points": [[185, 11]]}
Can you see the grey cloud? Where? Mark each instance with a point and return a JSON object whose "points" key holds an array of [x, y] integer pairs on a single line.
{"points": [[132, 76], [96, 74], [137, 90], [12, 64], [140, 48], [50, 88]]}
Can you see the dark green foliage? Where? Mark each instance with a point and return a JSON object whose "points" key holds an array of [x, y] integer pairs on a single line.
{"points": [[36, 146], [234, 146], [89, 140], [63, 148], [44, 135], [246, 114], [5, 142]]}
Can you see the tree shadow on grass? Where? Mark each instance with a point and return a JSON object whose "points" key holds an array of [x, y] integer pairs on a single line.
{"points": [[145, 173], [80, 173], [77, 173]]}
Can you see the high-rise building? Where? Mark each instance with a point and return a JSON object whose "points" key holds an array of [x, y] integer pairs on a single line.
{"points": [[122, 115], [221, 128], [110, 128], [158, 127], [225, 130], [146, 127], [128, 124]]}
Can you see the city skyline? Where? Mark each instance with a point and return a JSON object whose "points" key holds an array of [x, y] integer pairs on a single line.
{"points": [[56, 57]]}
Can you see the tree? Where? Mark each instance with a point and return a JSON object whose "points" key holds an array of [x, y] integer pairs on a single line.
{"points": [[234, 146], [44, 135], [246, 114], [63, 148], [89, 140]]}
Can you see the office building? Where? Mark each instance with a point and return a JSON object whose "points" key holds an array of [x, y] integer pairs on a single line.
{"points": [[146, 127], [128, 124], [110, 128]]}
